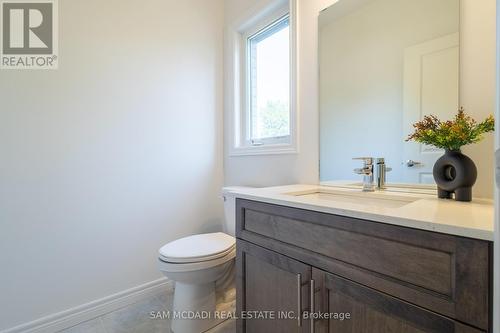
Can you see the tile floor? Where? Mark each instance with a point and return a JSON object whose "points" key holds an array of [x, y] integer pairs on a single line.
{"points": [[135, 319]]}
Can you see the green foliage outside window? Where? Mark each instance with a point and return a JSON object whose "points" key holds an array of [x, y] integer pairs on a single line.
{"points": [[274, 119]]}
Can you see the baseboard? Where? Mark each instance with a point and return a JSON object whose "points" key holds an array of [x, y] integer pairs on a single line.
{"points": [[71, 317]]}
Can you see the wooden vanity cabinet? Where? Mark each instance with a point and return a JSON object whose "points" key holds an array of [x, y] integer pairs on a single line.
{"points": [[387, 278], [268, 281]]}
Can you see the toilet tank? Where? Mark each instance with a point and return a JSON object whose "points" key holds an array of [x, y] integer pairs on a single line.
{"points": [[230, 208]]}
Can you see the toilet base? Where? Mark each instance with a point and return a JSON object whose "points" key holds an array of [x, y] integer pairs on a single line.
{"points": [[194, 307], [200, 288]]}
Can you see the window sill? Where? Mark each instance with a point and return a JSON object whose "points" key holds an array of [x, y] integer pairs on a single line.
{"points": [[276, 149]]}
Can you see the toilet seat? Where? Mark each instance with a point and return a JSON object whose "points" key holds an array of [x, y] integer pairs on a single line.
{"points": [[198, 248], [175, 267], [188, 260]]}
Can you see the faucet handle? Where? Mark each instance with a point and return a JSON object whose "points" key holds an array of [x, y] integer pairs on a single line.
{"points": [[366, 160], [367, 168]]}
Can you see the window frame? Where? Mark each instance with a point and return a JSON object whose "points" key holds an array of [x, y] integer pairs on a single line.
{"points": [[238, 105], [246, 133]]}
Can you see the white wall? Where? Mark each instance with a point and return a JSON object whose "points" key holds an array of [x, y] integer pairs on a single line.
{"points": [[111, 156], [477, 96]]}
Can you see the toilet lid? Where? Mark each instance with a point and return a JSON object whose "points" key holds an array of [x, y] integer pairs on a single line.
{"points": [[197, 248]]}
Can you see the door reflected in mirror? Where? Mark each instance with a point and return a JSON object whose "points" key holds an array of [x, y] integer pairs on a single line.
{"points": [[384, 64]]}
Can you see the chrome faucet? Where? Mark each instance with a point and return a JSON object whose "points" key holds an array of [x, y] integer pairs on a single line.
{"points": [[374, 169], [367, 172]]}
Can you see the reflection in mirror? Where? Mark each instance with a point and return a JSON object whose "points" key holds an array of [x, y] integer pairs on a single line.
{"points": [[384, 64]]}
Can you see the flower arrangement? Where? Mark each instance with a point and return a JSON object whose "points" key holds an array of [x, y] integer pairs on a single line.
{"points": [[452, 134]]}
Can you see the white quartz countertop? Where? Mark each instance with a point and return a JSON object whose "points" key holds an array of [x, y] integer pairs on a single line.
{"points": [[419, 209]]}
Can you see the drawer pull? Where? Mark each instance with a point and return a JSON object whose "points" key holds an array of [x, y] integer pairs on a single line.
{"points": [[299, 300], [312, 306]]}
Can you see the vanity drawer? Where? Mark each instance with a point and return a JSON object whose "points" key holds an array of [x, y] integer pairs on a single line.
{"points": [[446, 274]]}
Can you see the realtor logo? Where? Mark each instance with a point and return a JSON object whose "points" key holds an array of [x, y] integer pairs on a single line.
{"points": [[29, 34]]}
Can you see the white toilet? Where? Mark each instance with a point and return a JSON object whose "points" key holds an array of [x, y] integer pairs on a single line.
{"points": [[197, 263]]}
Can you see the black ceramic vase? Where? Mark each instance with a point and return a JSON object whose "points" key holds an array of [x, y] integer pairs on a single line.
{"points": [[455, 173]]}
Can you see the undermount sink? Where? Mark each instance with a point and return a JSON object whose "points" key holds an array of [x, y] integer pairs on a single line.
{"points": [[372, 199]]}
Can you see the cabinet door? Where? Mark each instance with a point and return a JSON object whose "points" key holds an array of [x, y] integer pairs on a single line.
{"points": [[372, 311], [270, 285]]}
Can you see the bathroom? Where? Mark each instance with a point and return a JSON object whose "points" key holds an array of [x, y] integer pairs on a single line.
{"points": [[129, 128]]}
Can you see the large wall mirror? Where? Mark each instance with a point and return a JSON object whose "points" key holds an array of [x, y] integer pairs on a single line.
{"points": [[384, 64]]}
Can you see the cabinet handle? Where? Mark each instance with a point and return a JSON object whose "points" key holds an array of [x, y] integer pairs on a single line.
{"points": [[299, 299], [312, 306]]}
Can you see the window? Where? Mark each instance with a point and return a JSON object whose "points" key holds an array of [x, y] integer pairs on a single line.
{"points": [[260, 90], [268, 84]]}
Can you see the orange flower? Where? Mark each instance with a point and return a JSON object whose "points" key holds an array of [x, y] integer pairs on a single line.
{"points": [[451, 134]]}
